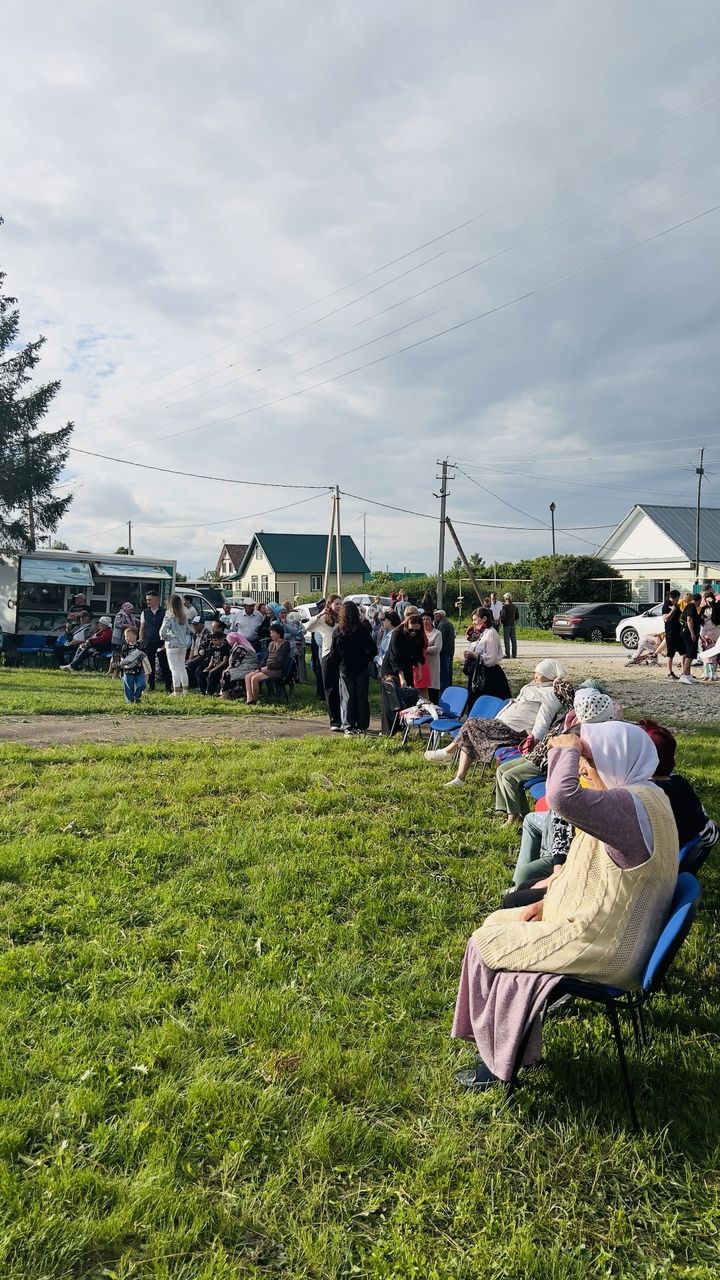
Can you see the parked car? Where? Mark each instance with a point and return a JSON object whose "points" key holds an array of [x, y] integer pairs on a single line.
{"points": [[384, 601], [594, 622], [632, 630]]}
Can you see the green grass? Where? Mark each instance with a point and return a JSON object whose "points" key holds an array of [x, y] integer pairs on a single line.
{"points": [[228, 975], [43, 691]]}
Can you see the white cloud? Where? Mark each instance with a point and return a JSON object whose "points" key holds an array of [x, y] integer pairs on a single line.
{"points": [[177, 180]]}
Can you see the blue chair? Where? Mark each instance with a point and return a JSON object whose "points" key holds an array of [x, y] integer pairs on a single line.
{"points": [[536, 788], [453, 702], [683, 910], [31, 646], [484, 708], [274, 688], [694, 853]]}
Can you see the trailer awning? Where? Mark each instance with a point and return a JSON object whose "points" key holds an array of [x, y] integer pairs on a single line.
{"points": [[62, 573], [133, 569]]}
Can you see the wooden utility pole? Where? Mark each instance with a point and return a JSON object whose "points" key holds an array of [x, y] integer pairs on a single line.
{"points": [[30, 503], [463, 557], [700, 472], [130, 551], [441, 540], [328, 553], [338, 544]]}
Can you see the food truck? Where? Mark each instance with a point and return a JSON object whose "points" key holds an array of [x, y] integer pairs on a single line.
{"points": [[37, 587]]}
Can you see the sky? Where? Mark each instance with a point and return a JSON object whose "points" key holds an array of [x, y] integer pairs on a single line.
{"points": [[331, 244]]}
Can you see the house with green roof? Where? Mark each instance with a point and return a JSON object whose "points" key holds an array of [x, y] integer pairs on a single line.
{"points": [[281, 566]]}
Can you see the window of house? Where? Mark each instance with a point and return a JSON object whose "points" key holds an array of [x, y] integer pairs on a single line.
{"points": [[254, 582], [264, 582], [316, 582], [661, 588], [258, 553]]}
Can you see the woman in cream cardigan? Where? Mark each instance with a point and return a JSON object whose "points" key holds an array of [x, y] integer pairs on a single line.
{"points": [[601, 915]]}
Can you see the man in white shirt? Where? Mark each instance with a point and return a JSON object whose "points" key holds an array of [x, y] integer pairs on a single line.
{"points": [[248, 620], [495, 607]]}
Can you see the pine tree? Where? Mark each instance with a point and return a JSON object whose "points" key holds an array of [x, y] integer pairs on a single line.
{"points": [[31, 459]]}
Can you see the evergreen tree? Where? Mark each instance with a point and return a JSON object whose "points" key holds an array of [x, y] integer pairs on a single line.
{"points": [[31, 459]]}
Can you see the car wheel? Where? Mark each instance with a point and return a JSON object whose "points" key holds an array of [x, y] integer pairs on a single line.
{"points": [[597, 635], [630, 638]]}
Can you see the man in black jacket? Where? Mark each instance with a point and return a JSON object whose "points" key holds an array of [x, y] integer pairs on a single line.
{"points": [[509, 615], [447, 653], [150, 622]]}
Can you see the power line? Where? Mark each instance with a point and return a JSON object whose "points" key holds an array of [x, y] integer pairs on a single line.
{"points": [[474, 524], [503, 306], [474, 266], [675, 118], [253, 515], [194, 475]]}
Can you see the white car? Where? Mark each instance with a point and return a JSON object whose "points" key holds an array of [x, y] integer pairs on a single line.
{"points": [[632, 630], [384, 601]]}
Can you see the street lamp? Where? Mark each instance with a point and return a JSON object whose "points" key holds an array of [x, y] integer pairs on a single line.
{"points": [[552, 525]]}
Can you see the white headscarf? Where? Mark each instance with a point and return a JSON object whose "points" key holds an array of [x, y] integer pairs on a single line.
{"points": [[623, 753], [550, 668], [592, 707]]}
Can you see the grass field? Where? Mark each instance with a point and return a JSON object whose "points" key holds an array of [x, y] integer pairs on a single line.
{"points": [[43, 691], [228, 974]]}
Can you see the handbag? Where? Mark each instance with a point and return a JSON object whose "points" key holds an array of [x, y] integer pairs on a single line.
{"points": [[474, 669], [421, 676]]}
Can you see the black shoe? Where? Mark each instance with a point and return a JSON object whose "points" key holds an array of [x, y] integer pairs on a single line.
{"points": [[477, 1079]]}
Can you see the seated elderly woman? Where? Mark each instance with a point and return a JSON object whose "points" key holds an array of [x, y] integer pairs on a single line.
{"points": [[690, 816], [589, 705], [276, 663], [526, 719], [601, 916], [242, 661]]}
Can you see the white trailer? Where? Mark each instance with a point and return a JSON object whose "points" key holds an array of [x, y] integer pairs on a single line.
{"points": [[37, 587]]}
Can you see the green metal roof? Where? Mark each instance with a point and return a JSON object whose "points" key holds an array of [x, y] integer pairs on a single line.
{"points": [[303, 553]]}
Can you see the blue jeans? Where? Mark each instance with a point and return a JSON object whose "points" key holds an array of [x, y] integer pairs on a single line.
{"points": [[133, 684], [446, 663], [535, 857]]}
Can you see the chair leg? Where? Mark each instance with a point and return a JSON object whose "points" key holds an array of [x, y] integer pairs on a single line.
{"points": [[638, 1028], [406, 733], [612, 1014]]}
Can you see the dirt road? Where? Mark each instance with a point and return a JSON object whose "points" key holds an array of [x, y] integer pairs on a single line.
{"points": [[39, 731]]}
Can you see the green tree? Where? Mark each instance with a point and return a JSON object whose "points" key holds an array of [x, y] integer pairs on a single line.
{"points": [[476, 562], [59, 546], [123, 551], [31, 459], [571, 580]]}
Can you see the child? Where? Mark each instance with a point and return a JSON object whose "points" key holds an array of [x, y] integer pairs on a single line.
{"points": [[134, 665]]}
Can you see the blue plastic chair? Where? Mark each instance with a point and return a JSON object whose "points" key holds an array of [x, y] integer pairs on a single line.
{"points": [[683, 910], [453, 702], [536, 788], [484, 708], [31, 646]]}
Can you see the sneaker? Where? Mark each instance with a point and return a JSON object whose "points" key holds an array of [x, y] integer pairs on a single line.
{"points": [[67, 667], [455, 782], [438, 757], [686, 680], [478, 1078], [671, 676], [335, 728]]}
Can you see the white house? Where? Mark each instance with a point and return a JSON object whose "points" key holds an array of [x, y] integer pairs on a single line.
{"points": [[281, 566], [230, 559], [654, 548]]}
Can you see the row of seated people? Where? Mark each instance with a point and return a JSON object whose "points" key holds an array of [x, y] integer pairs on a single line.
{"points": [[597, 869]]}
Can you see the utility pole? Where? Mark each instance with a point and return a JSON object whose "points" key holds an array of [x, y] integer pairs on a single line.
{"points": [[328, 553], [365, 536], [552, 526], [700, 472], [442, 495], [338, 544], [130, 551], [466, 562]]}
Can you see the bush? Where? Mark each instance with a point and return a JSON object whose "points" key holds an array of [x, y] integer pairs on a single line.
{"points": [[563, 578]]}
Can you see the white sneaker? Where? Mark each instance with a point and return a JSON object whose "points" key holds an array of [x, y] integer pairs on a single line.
{"points": [[686, 680], [438, 757], [455, 782]]}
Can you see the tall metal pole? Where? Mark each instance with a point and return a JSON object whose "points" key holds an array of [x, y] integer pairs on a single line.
{"points": [[552, 525], [365, 536], [328, 553], [700, 472], [338, 543], [130, 537]]}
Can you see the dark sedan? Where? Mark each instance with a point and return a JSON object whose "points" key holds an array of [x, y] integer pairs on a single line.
{"points": [[594, 622]]}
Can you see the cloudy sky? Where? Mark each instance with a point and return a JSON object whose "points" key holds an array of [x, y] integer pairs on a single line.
{"points": [[244, 229]]}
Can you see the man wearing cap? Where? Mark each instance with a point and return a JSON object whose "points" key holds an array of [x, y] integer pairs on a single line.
{"points": [[447, 652], [199, 650], [509, 614], [248, 620], [97, 639]]}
